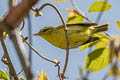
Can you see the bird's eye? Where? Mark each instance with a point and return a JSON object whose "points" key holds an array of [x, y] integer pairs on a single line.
{"points": [[44, 30]]}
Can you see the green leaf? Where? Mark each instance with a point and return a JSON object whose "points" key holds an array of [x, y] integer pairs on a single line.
{"points": [[97, 60], [100, 35], [3, 75], [21, 78], [5, 35], [118, 24], [101, 43], [74, 18], [97, 6], [103, 40], [88, 45], [42, 76], [37, 14]]}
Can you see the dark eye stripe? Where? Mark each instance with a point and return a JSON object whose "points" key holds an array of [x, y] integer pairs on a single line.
{"points": [[45, 30]]}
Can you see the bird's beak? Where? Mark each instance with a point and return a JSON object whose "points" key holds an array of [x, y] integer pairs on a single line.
{"points": [[36, 34]]}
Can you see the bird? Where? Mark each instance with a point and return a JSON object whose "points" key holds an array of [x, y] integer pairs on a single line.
{"points": [[78, 34]]}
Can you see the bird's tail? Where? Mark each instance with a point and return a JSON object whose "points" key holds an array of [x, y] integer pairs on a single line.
{"points": [[101, 28]]}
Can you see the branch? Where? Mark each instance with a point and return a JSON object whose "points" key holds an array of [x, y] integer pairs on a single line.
{"points": [[79, 11], [12, 20], [17, 14], [38, 52], [17, 41], [10, 65], [40, 55], [66, 35], [20, 72]]}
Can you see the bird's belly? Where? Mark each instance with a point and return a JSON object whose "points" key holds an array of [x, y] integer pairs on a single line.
{"points": [[75, 40]]}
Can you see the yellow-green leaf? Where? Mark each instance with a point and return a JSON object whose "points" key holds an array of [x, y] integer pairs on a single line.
{"points": [[59, 0], [37, 14], [101, 35], [101, 43], [118, 24], [42, 76], [74, 18], [97, 6], [88, 45], [21, 78], [3, 75], [97, 60], [103, 40]]}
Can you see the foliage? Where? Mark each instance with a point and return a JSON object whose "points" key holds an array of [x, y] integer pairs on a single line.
{"points": [[98, 6], [21, 78], [97, 60], [3, 75], [74, 18], [118, 24], [100, 57], [42, 76]]}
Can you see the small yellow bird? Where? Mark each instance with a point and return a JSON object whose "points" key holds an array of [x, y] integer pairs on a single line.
{"points": [[78, 34]]}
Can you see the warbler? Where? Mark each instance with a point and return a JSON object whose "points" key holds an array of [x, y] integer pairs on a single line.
{"points": [[78, 34]]}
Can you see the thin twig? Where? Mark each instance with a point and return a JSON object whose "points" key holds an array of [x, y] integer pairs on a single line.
{"points": [[38, 52], [79, 11], [101, 13], [33, 9], [40, 55], [12, 71], [10, 65], [53, 6], [59, 74], [66, 35], [20, 72]]}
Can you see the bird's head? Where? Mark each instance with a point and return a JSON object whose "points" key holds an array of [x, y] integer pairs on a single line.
{"points": [[45, 31]]}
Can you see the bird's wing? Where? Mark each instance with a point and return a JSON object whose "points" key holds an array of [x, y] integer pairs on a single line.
{"points": [[84, 24]]}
